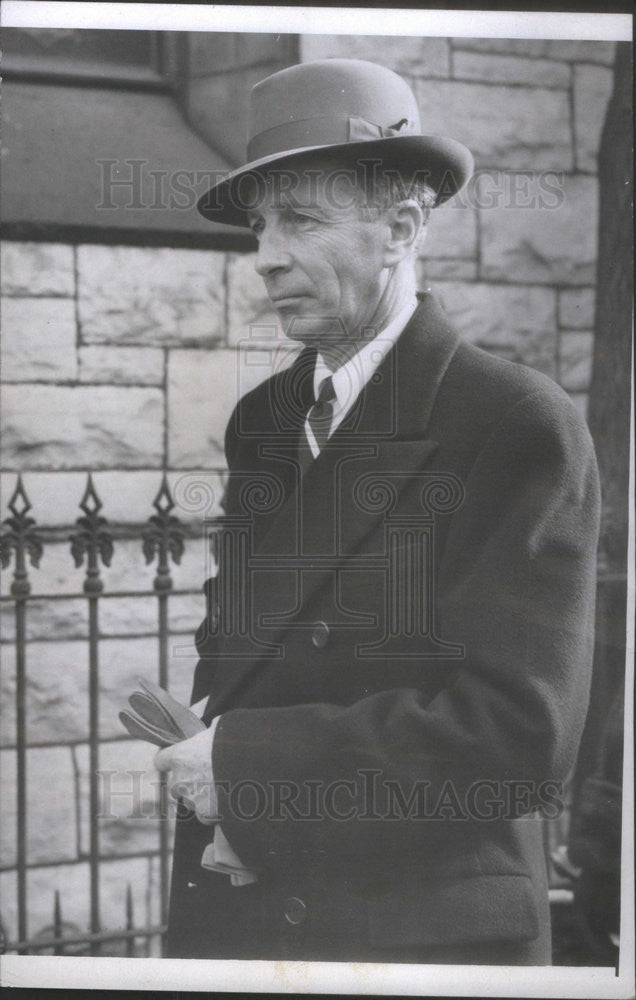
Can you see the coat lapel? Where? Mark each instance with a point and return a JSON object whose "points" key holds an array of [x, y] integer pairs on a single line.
{"points": [[385, 432]]}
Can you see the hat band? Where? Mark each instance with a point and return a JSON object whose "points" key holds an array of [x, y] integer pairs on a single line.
{"points": [[321, 130]]}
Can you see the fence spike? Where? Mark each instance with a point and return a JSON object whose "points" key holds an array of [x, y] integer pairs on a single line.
{"points": [[92, 539], [21, 536], [90, 502]]}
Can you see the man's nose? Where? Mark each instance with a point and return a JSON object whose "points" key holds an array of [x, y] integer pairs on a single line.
{"points": [[272, 255]]}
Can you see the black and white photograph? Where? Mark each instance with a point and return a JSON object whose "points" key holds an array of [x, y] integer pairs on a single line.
{"points": [[316, 500]]}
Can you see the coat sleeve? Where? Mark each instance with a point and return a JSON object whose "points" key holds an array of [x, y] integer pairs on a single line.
{"points": [[517, 588]]}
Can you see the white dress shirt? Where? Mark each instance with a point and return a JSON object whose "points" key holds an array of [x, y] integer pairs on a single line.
{"points": [[350, 379]]}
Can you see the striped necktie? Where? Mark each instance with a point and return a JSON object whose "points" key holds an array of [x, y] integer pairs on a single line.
{"points": [[321, 413], [319, 418]]}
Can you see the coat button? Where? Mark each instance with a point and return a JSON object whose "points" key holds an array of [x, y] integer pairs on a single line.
{"points": [[320, 635], [295, 910]]}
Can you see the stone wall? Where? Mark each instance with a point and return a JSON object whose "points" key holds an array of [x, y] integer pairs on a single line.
{"points": [[127, 361]]}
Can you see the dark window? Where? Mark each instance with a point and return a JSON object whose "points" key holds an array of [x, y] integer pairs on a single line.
{"points": [[77, 54]]}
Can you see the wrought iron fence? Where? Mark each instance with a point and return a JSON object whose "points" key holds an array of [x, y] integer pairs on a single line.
{"points": [[92, 545]]}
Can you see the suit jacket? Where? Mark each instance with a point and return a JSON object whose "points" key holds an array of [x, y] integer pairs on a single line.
{"points": [[400, 646]]}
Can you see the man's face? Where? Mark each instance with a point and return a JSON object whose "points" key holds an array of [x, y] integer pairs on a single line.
{"points": [[321, 260]]}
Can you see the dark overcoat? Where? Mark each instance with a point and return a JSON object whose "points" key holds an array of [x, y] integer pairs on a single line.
{"points": [[399, 645]]}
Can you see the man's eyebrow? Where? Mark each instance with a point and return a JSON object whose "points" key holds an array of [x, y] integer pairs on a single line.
{"points": [[291, 200]]}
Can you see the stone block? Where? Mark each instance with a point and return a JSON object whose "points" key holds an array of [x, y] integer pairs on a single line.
{"points": [[38, 337], [402, 53], [517, 322], [543, 244], [574, 50], [128, 793], [72, 881], [64, 619], [151, 296], [576, 308], [452, 269], [57, 684], [501, 125], [99, 427], [67, 618], [121, 365], [56, 694], [37, 269], [251, 317], [452, 231], [592, 91], [51, 805], [576, 350], [496, 68], [202, 392], [528, 47], [570, 50]]}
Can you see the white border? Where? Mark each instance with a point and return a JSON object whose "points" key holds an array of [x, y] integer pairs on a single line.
{"points": [[348, 978], [317, 20], [310, 977]]}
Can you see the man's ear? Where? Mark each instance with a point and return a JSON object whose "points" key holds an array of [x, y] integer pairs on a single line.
{"points": [[405, 221]]}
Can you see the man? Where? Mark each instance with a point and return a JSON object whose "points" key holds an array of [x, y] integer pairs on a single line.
{"points": [[397, 652]]}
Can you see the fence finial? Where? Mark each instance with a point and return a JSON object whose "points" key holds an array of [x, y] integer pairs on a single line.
{"points": [[92, 539], [163, 536], [22, 537]]}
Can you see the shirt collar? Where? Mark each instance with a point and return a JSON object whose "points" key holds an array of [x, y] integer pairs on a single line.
{"points": [[350, 379]]}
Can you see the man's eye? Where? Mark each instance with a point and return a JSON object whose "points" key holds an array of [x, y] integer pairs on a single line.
{"points": [[257, 226], [301, 219]]}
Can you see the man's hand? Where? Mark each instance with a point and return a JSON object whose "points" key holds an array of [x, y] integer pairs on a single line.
{"points": [[191, 779]]}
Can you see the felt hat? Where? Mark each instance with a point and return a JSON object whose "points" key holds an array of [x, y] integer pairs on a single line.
{"points": [[348, 110]]}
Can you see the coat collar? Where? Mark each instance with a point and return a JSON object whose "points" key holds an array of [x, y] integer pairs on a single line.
{"points": [[391, 416]]}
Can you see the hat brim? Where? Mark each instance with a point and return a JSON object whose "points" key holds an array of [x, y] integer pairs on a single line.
{"points": [[444, 163]]}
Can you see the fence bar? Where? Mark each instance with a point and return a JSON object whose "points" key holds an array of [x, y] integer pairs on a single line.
{"points": [[93, 701], [164, 845], [21, 765], [163, 537], [21, 537], [93, 540]]}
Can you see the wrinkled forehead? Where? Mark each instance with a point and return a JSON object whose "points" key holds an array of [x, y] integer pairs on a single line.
{"points": [[319, 184]]}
